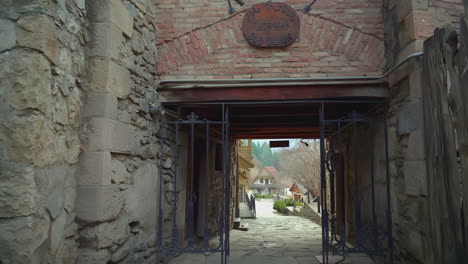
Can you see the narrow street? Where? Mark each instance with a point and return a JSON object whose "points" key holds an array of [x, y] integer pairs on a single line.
{"points": [[272, 239]]}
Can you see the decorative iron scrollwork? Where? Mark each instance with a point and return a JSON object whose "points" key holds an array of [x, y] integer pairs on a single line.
{"points": [[192, 117]]}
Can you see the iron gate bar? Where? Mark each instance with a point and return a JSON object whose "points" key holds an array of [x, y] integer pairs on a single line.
{"points": [[374, 217], [389, 209], [352, 121], [323, 193], [174, 246]]}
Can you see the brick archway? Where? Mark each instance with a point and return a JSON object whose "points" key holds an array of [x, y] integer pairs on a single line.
{"points": [[220, 42]]}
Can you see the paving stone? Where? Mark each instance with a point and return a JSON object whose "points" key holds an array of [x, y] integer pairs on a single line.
{"points": [[272, 238]]}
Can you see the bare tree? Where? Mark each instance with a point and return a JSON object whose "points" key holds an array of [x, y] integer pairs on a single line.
{"points": [[301, 163]]}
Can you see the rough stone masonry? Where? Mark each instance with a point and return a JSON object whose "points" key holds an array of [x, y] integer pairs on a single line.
{"points": [[78, 146]]}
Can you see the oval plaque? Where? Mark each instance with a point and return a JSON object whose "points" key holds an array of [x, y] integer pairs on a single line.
{"points": [[271, 24]]}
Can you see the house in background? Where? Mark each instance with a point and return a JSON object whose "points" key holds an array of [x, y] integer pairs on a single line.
{"points": [[296, 192], [245, 165], [269, 181]]}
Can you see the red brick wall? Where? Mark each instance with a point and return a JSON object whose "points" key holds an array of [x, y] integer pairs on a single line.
{"points": [[201, 40]]}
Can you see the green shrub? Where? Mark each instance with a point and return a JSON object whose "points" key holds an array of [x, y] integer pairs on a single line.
{"points": [[279, 206], [263, 196], [290, 202], [298, 204]]}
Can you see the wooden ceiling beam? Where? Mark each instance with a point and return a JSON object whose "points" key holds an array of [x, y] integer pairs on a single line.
{"points": [[267, 93]]}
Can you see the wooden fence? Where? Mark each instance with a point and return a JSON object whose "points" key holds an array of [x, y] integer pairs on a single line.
{"points": [[445, 95]]}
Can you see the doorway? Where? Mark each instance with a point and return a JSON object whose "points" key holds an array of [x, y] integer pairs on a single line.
{"points": [[354, 218]]}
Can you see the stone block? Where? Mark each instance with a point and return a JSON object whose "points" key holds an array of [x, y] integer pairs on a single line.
{"points": [[26, 80], [106, 40], [410, 117], [120, 253], [7, 34], [402, 10], [39, 33], [107, 76], [30, 139], [95, 169], [57, 230], [123, 138], [98, 203], [70, 199], [100, 134], [420, 4], [114, 11], [415, 149], [20, 238], [145, 188], [415, 79], [91, 256], [19, 195], [424, 24], [55, 202], [101, 105], [415, 175], [105, 235], [120, 175], [110, 135]]}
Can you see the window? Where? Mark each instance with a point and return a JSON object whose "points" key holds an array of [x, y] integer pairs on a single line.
{"points": [[266, 181], [261, 180]]}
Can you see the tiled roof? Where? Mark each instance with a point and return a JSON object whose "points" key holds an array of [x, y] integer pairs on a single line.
{"points": [[295, 188], [273, 172]]}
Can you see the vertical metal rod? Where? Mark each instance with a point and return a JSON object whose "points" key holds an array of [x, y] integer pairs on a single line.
{"points": [[389, 210], [372, 171], [174, 213], [160, 209], [223, 201], [332, 196], [323, 186], [206, 235], [191, 193], [356, 183], [228, 177], [342, 191]]}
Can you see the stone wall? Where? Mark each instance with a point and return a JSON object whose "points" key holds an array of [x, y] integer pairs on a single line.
{"points": [[408, 24], [118, 177], [78, 145], [42, 79], [337, 38]]}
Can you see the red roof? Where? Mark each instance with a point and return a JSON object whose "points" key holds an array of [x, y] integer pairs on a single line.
{"points": [[273, 172], [295, 188]]}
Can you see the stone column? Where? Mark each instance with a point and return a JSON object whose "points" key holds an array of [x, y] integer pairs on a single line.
{"points": [[118, 175], [100, 201]]}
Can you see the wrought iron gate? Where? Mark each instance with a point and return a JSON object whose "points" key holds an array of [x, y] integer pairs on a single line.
{"points": [[194, 212], [355, 185]]}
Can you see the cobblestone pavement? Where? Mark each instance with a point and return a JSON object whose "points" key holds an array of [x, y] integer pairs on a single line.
{"points": [[272, 239]]}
